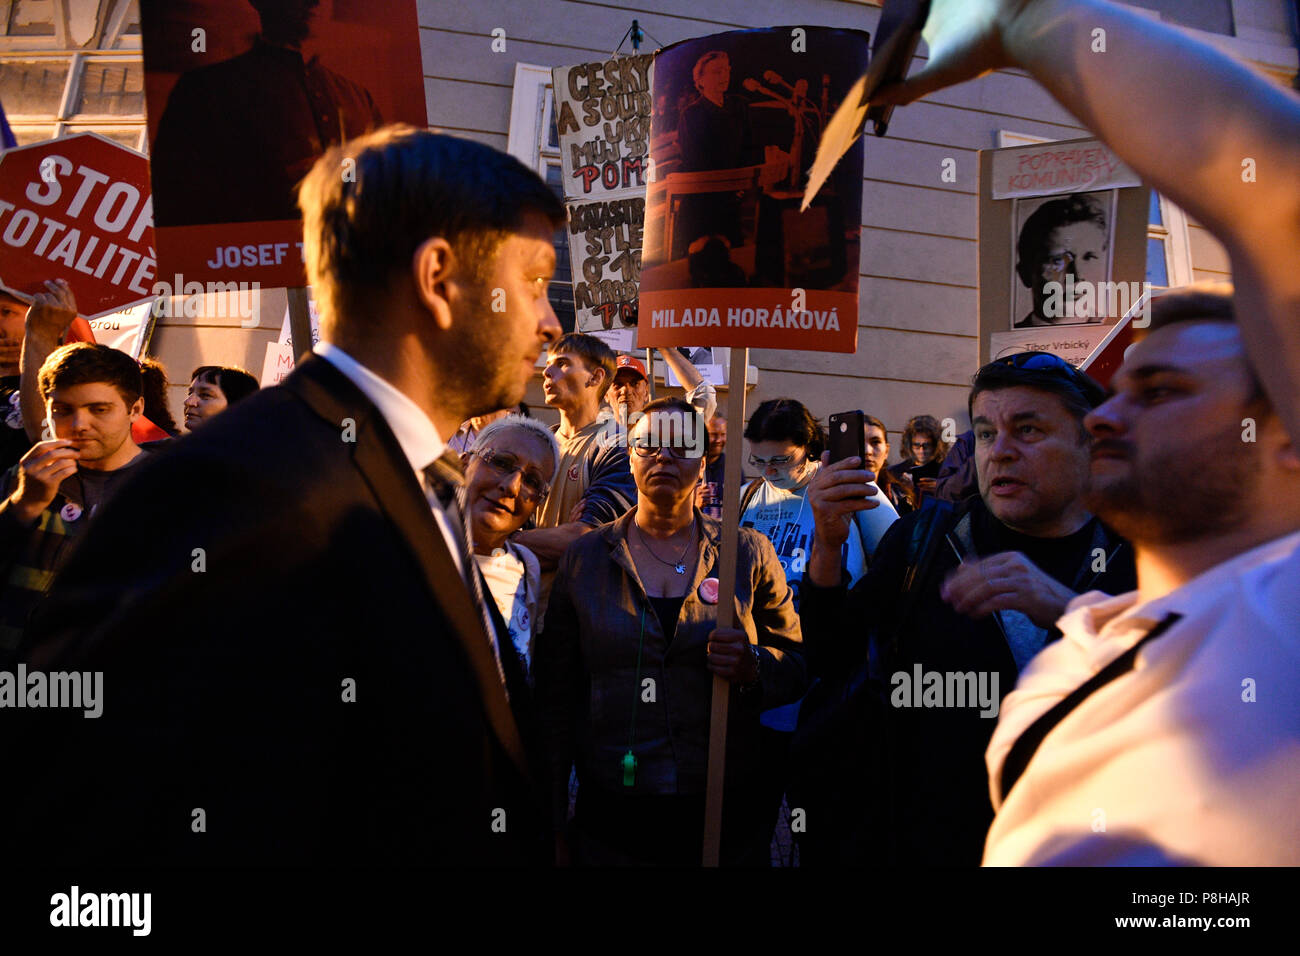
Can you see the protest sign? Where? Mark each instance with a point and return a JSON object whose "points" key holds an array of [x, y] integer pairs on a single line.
{"points": [[126, 329], [78, 209], [240, 106], [1061, 261], [1055, 168], [729, 258], [602, 117]]}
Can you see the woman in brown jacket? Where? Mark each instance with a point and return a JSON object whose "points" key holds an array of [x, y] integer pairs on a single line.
{"points": [[626, 661]]}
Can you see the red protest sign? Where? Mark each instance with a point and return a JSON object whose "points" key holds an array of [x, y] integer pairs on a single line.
{"points": [[79, 209]]}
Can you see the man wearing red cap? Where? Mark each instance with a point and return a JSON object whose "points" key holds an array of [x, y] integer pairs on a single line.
{"points": [[632, 386]]}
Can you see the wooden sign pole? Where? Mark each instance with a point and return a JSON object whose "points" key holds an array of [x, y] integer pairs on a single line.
{"points": [[726, 605], [299, 323]]}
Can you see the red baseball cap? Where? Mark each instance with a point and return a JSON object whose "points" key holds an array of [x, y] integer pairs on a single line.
{"points": [[627, 361]]}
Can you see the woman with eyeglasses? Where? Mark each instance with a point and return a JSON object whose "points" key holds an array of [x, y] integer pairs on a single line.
{"points": [[626, 662], [785, 446], [508, 471], [923, 452]]}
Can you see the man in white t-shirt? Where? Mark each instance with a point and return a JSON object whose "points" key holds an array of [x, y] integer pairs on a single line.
{"points": [[508, 471]]}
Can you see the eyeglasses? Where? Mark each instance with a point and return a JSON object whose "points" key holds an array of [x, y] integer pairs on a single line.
{"points": [[1055, 365], [645, 448], [534, 485], [776, 461], [1037, 361]]}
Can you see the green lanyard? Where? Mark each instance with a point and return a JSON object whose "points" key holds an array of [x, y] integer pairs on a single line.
{"points": [[629, 758]]}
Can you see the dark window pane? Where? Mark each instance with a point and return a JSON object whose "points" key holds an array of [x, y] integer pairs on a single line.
{"points": [[561, 289], [1153, 216], [1157, 272]]}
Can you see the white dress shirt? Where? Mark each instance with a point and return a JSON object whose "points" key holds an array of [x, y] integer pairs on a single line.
{"points": [[1192, 757], [412, 428]]}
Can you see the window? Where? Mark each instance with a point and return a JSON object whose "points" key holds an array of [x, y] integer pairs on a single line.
{"points": [[535, 141], [1169, 258]]}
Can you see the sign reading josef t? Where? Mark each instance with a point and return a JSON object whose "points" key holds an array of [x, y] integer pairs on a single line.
{"points": [[729, 258], [78, 209]]}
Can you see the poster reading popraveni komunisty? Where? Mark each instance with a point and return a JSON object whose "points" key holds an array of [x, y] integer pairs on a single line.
{"points": [[727, 257]]}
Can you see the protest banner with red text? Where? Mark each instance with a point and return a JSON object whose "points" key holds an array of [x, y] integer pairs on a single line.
{"points": [[78, 209]]}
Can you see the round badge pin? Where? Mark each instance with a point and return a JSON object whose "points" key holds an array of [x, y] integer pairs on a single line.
{"points": [[70, 512], [709, 590]]}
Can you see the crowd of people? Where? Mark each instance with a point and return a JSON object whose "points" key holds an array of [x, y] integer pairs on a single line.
{"points": [[330, 634]]}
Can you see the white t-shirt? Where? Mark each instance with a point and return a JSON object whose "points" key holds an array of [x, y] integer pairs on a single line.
{"points": [[786, 518], [1192, 757], [513, 576]]}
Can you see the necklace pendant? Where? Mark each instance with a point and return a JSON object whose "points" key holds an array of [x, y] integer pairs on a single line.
{"points": [[679, 568]]}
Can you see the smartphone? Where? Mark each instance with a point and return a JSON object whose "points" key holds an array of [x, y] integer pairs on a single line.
{"points": [[896, 41], [848, 436]]}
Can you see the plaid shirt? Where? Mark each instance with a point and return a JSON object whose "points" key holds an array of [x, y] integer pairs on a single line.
{"points": [[587, 678], [31, 555]]}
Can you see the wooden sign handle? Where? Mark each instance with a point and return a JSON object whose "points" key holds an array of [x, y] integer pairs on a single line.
{"points": [[726, 605]]}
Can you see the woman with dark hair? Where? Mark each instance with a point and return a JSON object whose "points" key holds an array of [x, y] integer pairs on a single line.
{"points": [[213, 389], [923, 452], [786, 444], [626, 661], [154, 375], [901, 496]]}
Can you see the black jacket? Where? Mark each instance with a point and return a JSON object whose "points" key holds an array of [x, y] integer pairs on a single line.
{"points": [[232, 593], [923, 787]]}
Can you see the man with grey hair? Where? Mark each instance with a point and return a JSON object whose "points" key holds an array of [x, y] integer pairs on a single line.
{"points": [[508, 472]]}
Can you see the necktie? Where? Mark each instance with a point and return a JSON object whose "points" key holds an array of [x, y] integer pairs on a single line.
{"points": [[1026, 745], [446, 478]]}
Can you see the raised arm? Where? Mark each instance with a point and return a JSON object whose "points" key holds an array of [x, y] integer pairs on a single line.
{"points": [[1213, 136], [47, 323]]}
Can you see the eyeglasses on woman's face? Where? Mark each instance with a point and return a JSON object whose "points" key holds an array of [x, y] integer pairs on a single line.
{"points": [[535, 486]]}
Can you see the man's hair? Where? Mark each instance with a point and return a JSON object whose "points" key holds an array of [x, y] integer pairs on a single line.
{"points": [[235, 383], [82, 363], [923, 425], [1051, 215], [784, 419], [1203, 302], [1077, 390], [369, 203], [591, 350], [522, 423]]}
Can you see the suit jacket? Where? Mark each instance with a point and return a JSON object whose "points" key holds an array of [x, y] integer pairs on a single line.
{"points": [[288, 647]]}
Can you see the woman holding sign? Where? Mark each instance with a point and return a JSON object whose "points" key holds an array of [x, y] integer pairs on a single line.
{"points": [[625, 666]]}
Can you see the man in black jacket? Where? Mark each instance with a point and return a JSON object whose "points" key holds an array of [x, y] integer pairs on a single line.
{"points": [[297, 663], [957, 601]]}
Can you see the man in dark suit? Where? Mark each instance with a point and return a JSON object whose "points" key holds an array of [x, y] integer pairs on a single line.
{"points": [[297, 665]]}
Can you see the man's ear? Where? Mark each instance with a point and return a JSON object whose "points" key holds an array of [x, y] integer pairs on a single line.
{"points": [[434, 269], [136, 410]]}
